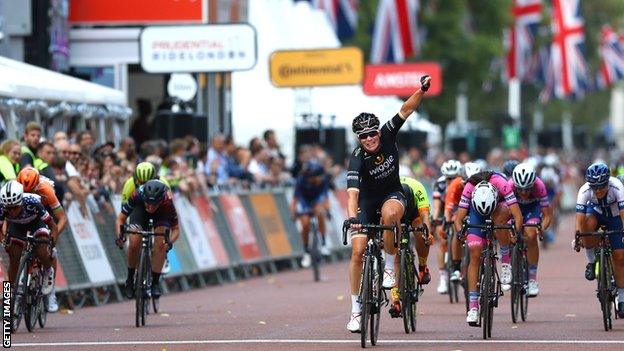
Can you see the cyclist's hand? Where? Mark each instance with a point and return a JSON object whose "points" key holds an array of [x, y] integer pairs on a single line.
{"points": [[120, 241], [353, 223], [425, 83], [513, 237]]}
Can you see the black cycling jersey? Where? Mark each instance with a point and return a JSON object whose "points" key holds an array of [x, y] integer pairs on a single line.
{"points": [[439, 188], [377, 174]]}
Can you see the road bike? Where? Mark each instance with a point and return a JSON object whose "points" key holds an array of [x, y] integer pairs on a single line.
{"points": [[143, 278], [606, 290], [520, 275], [410, 289], [371, 294]]}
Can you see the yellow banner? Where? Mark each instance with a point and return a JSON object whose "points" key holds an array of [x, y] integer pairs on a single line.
{"points": [[271, 223], [306, 68]]}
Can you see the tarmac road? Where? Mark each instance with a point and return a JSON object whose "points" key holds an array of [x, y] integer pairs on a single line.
{"points": [[288, 311]]}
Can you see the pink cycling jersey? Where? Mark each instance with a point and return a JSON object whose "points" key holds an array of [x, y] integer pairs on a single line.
{"points": [[538, 193], [505, 191]]}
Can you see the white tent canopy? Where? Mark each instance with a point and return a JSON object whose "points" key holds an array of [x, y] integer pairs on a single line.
{"points": [[28, 82]]}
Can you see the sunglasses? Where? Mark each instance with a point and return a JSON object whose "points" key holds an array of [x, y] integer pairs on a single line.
{"points": [[371, 134]]}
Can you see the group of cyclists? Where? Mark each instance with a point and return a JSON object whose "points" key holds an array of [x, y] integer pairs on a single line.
{"points": [[29, 206], [467, 193]]}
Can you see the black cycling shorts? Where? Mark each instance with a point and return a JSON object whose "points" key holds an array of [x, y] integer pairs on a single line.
{"points": [[141, 217], [369, 211]]}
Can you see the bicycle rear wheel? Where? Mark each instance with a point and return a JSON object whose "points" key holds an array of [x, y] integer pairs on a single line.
{"points": [[377, 274], [405, 290], [603, 291], [31, 314], [365, 298], [43, 311], [464, 282], [516, 283]]}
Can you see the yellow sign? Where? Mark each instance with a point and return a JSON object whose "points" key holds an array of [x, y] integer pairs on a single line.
{"points": [[307, 68]]}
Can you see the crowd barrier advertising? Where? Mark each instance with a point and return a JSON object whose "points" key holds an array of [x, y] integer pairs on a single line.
{"points": [[266, 211], [205, 211], [89, 246], [191, 222], [60, 281], [337, 205], [240, 226]]}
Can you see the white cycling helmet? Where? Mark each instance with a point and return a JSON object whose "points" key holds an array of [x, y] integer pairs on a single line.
{"points": [[470, 169], [11, 194], [484, 198], [524, 176], [451, 168], [550, 160]]}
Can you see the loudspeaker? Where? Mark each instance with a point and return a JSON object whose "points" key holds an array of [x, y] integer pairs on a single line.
{"points": [[333, 140], [412, 138], [168, 125]]}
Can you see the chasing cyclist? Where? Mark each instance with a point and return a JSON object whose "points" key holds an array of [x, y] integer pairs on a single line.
{"points": [[25, 213], [600, 201], [144, 171], [311, 191], [450, 171], [34, 183], [480, 200], [416, 214], [373, 185], [532, 198], [152, 200]]}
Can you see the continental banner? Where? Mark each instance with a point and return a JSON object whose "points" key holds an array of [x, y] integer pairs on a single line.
{"points": [[241, 227], [205, 211], [193, 228], [266, 211], [89, 246]]}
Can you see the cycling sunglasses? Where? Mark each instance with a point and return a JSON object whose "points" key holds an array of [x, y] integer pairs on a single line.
{"points": [[371, 134]]}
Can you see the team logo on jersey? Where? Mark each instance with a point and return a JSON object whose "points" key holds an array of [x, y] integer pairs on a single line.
{"points": [[379, 159]]}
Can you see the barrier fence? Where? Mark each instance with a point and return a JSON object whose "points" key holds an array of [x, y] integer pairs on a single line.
{"points": [[222, 237]]}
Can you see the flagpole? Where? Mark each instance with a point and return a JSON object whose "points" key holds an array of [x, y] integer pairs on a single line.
{"points": [[514, 99]]}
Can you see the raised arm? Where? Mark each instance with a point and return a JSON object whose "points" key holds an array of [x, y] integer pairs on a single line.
{"points": [[413, 101]]}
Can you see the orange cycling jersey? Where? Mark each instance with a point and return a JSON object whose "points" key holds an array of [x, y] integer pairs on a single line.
{"points": [[453, 193], [46, 191]]}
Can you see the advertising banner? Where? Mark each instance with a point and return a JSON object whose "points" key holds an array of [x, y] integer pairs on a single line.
{"points": [[193, 228], [401, 79], [241, 227], [116, 12], [89, 246], [338, 206], [307, 68], [198, 48], [205, 211], [270, 221]]}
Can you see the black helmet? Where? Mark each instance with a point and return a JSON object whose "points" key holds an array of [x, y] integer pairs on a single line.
{"points": [[153, 192], [313, 169], [364, 123]]}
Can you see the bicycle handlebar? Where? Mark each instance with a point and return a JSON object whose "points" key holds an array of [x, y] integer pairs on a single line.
{"points": [[123, 230], [394, 227], [598, 233], [540, 233]]}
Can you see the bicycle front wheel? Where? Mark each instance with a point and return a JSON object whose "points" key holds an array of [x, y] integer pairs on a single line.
{"points": [[603, 291], [377, 274], [516, 284], [141, 289], [486, 299], [19, 300], [524, 292], [404, 291], [365, 298]]}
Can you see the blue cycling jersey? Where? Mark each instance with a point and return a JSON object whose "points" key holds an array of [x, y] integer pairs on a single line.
{"points": [[32, 210]]}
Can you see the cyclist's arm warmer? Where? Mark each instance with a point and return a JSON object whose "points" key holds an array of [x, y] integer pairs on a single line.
{"points": [[391, 128], [353, 174]]}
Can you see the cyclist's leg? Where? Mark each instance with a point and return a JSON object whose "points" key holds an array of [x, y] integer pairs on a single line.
{"points": [[531, 215], [159, 253], [14, 249], [137, 220], [475, 239], [423, 254], [442, 248], [304, 220], [391, 213], [617, 245], [501, 216], [592, 218], [320, 210]]}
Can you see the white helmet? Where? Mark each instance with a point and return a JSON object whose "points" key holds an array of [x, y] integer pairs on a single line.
{"points": [[549, 175], [11, 194], [484, 198], [470, 169], [451, 168], [550, 160], [524, 176]]}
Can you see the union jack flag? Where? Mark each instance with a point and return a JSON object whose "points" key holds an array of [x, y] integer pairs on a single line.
{"points": [[611, 58], [570, 70], [395, 34], [342, 14], [527, 15]]}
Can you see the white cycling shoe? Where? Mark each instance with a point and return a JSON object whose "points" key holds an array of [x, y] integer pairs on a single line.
{"points": [[52, 303], [306, 260], [48, 281], [456, 276], [533, 288], [442, 287], [505, 276], [354, 323], [389, 281], [325, 250], [473, 316]]}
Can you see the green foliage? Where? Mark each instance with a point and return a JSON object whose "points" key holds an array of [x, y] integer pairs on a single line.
{"points": [[466, 37]]}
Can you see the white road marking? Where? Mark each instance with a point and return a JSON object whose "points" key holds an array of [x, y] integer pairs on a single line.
{"points": [[322, 341]]}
